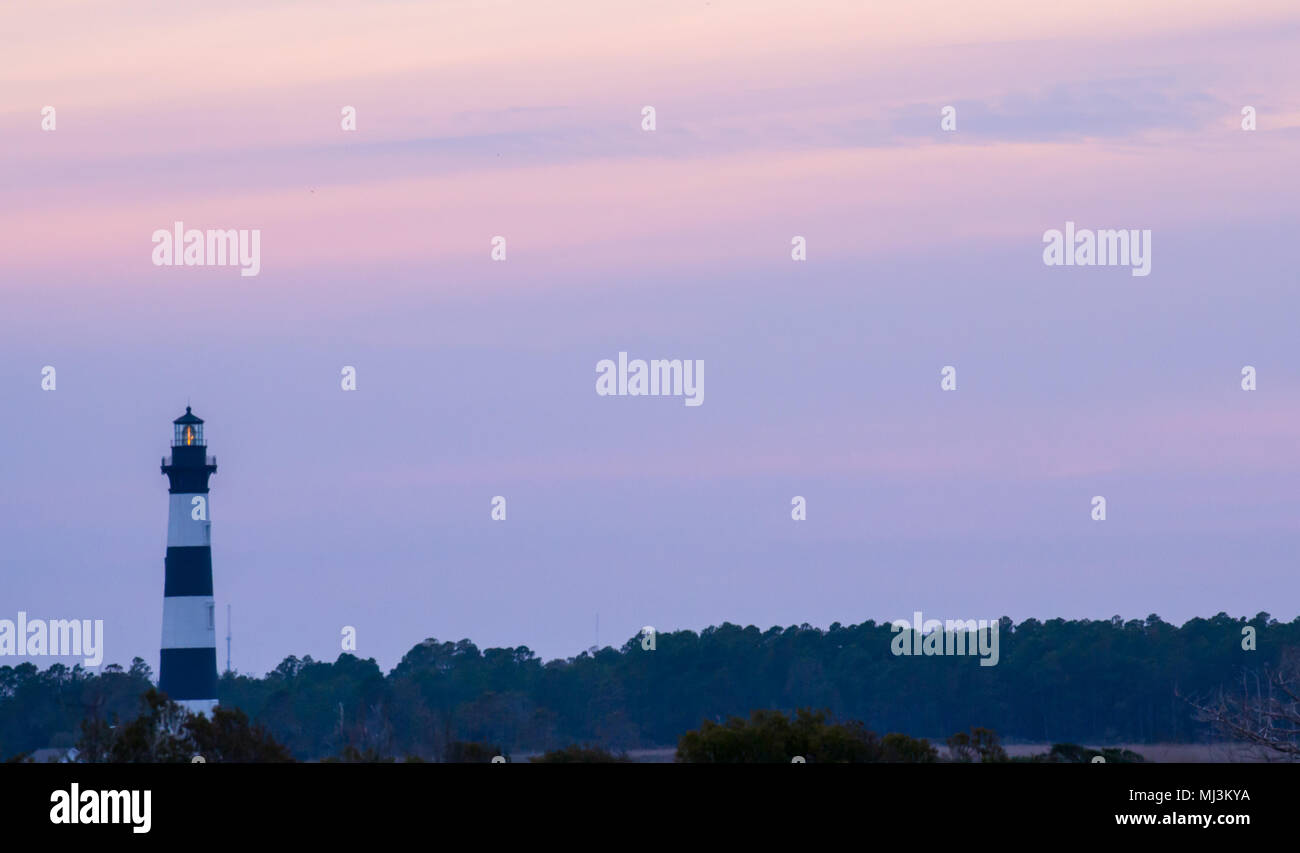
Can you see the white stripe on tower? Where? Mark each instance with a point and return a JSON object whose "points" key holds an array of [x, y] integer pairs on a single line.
{"points": [[183, 529], [188, 665]]}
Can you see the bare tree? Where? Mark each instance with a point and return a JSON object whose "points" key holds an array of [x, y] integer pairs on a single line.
{"points": [[1268, 718]]}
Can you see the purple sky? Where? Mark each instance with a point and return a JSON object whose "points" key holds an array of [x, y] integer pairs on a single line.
{"points": [[475, 378]]}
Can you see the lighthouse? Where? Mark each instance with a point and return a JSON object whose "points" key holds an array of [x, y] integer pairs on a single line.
{"points": [[187, 670]]}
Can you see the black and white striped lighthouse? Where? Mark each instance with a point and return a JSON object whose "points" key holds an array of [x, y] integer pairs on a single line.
{"points": [[188, 667]]}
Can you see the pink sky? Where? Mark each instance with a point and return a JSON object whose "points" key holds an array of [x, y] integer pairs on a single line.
{"points": [[774, 119]]}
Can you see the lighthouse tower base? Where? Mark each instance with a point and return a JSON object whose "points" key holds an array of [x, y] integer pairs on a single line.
{"points": [[198, 706]]}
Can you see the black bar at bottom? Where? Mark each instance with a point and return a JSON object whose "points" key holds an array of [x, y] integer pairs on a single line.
{"points": [[612, 803]]}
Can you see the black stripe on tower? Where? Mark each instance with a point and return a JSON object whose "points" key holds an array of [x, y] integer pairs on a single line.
{"points": [[189, 470], [188, 571], [188, 673]]}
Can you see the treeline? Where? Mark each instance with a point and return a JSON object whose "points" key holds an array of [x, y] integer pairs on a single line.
{"points": [[1056, 681], [45, 708]]}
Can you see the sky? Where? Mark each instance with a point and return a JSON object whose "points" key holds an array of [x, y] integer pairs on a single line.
{"points": [[476, 378]]}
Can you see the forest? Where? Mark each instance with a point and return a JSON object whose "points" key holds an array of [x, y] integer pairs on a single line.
{"points": [[1059, 681]]}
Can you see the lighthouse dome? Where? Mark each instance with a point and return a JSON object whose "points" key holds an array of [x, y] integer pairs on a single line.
{"points": [[188, 418]]}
